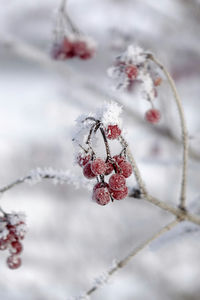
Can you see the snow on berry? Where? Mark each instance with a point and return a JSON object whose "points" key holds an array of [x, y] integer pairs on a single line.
{"points": [[83, 159], [109, 114], [131, 71], [87, 171], [102, 196], [119, 195], [153, 116], [113, 132], [13, 262], [119, 158], [125, 169], [98, 166], [100, 185], [16, 247], [117, 182], [12, 230], [73, 46]]}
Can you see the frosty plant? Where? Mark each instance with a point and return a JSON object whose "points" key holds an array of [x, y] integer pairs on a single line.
{"points": [[137, 65], [12, 232], [68, 41], [117, 166]]}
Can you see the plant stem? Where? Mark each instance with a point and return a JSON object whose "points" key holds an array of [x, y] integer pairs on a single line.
{"points": [[183, 130], [135, 167]]}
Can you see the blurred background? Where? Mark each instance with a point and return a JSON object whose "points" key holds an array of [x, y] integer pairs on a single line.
{"points": [[71, 240]]}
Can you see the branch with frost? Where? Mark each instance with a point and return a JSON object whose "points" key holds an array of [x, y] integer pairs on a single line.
{"points": [[58, 177]]}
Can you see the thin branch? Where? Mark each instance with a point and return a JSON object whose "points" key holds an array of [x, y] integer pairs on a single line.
{"points": [[135, 167], [123, 262], [183, 130]]}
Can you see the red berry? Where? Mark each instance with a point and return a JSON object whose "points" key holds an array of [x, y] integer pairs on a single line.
{"points": [[16, 247], [125, 169], [119, 159], [119, 195], [102, 196], [131, 71], [98, 166], [67, 48], [157, 81], [109, 168], [82, 159], [80, 48], [87, 172], [117, 182], [13, 262], [97, 186], [113, 132], [100, 185], [153, 116]]}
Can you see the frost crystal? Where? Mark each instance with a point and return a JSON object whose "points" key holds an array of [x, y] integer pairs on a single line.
{"points": [[58, 176], [109, 114]]}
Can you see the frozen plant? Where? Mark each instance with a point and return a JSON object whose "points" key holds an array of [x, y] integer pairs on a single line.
{"points": [[117, 167], [12, 232], [134, 66], [69, 42]]}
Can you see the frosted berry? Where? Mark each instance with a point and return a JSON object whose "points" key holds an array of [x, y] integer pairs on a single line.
{"points": [[67, 48], [87, 172], [102, 196], [131, 72], [109, 168], [157, 81], [82, 159], [98, 166], [13, 262], [16, 247], [119, 195], [117, 182], [100, 185], [81, 49], [119, 158], [113, 132], [153, 116], [125, 169]]}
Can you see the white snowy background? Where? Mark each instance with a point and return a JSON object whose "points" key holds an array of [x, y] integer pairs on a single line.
{"points": [[71, 240]]}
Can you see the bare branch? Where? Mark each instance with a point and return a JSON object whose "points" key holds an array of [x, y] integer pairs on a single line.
{"points": [[183, 129]]}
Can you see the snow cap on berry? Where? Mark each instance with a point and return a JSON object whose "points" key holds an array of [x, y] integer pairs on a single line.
{"points": [[109, 114]]}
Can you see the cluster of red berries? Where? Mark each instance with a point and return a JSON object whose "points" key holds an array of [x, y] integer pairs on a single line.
{"points": [[93, 167], [69, 48], [11, 240], [131, 72], [116, 187]]}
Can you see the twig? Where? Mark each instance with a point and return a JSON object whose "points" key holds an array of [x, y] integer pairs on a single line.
{"points": [[123, 262], [183, 130], [135, 167]]}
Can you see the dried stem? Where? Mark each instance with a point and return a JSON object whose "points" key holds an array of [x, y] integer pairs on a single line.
{"points": [[183, 129], [123, 262]]}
